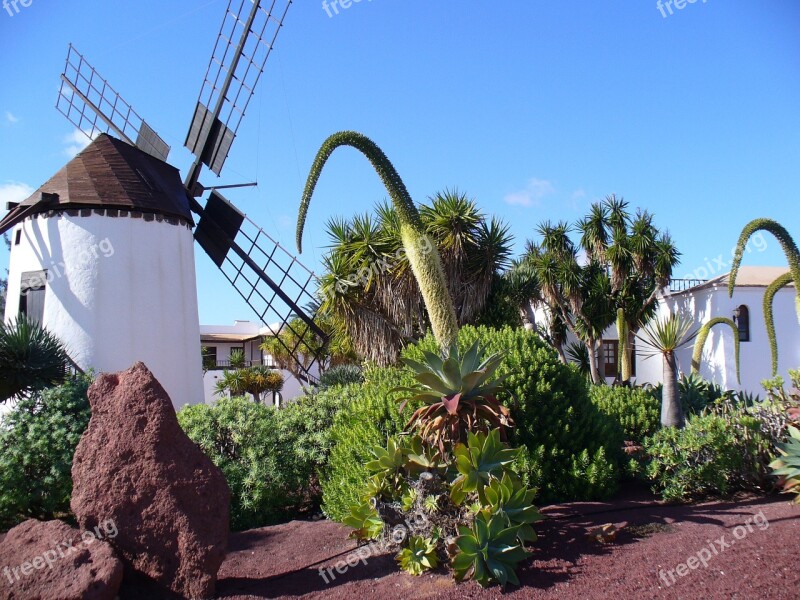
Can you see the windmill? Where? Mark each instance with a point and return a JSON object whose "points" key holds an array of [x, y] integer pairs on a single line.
{"points": [[124, 173]]}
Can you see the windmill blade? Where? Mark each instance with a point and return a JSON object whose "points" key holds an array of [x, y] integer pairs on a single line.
{"points": [[243, 46], [273, 283], [94, 107]]}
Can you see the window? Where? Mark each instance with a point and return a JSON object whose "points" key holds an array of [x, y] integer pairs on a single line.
{"points": [[610, 358], [209, 357], [18, 237], [743, 322], [32, 293]]}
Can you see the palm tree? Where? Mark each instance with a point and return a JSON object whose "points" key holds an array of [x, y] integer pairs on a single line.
{"points": [[253, 380], [639, 258], [31, 358], [370, 298], [665, 337], [425, 262], [577, 296], [702, 335]]}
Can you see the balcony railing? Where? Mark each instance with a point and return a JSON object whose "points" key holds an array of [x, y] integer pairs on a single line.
{"points": [[681, 285], [218, 365]]}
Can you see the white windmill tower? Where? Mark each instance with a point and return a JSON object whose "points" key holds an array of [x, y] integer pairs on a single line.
{"points": [[102, 253]]}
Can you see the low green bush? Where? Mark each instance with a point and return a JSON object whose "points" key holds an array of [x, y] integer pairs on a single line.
{"points": [[341, 375], [269, 456], [714, 455], [636, 410], [573, 449], [38, 438], [369, 416]]}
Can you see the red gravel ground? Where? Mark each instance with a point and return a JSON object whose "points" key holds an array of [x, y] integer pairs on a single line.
{"points": [[761, 562]]}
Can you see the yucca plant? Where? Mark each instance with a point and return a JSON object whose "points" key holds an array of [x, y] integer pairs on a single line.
{"points": [[31, 358], [457, 396], [787, 465], [664, 337]]}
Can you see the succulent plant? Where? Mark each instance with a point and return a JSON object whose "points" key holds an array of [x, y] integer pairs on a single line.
{"points": [[365, 521], [456, 394], [483, 458], [787, 465], [511, 499], [488, 551], [418, 556]]}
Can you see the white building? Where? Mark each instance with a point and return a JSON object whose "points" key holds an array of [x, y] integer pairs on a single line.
{"points": [[219, 341], [707, 300], [102, 255]]}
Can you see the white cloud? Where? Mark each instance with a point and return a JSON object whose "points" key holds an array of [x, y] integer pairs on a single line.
{"points": [[14, 191], [532, 195], [11, 118], [76, 141]]}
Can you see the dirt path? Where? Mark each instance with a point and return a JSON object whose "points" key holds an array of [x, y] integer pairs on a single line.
{"points": [[672, 552]]}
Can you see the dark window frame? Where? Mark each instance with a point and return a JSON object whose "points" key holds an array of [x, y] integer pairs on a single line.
{"points": [[743, 323]]}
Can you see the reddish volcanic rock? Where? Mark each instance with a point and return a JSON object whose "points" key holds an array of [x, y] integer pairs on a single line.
{"points": [[136, 466], [52, 561]]}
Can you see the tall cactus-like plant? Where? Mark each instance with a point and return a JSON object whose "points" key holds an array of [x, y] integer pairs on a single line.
{"points": [[702, 336], [786, 242], [426, 264], [769, 318]]}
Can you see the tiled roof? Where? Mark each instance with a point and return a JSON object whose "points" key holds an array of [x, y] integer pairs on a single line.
{"points": [[111, 174]]}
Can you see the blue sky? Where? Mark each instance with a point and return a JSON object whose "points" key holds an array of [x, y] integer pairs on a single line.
{"points": [[534, 108]]}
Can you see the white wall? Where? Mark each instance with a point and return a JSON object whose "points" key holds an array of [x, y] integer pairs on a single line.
{"points": [[718, 363], [292, 388], [120, 290]]}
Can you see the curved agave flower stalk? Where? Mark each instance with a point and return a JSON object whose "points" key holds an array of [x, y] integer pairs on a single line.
{"points": [[769, 319], [786, 242], [623, 335], [423, 256], [702, 336]]}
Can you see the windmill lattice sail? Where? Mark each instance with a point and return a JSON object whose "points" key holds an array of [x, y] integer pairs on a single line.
{"points": [[273, 283], [94, 107], [244, 44]]}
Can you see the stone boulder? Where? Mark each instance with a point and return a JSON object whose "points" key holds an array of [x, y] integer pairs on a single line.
{"points": [[52, 561], [136, 467]]}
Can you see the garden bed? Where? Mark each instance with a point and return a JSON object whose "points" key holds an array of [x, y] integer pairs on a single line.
{"points": [[285, 561]]}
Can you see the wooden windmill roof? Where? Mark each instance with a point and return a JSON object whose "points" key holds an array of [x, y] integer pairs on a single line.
{"points": [[110, 174]]}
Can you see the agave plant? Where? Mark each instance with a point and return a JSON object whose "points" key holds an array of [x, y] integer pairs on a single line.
{"points": [[511, 499], [787, 465], [365, 521], [489, 550], [457, 396], [483, 459], [418, 556]]}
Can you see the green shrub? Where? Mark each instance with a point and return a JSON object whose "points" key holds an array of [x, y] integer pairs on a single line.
{"points": [[369, 416], [573, 449], [269, 456], [38, 438], [714, 455], [636, 410], [341, 375]]}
